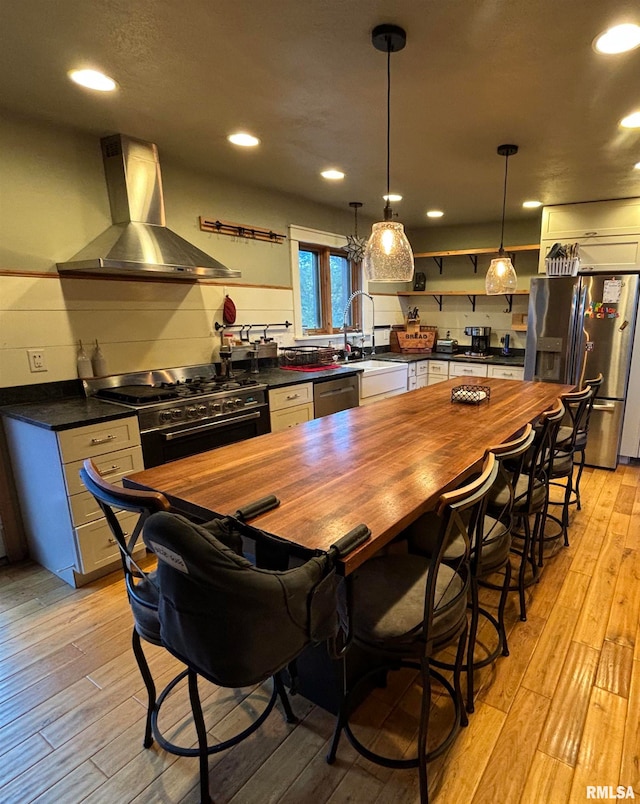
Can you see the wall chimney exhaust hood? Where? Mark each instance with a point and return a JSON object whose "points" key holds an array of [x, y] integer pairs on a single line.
{"points": [[139, 243]]}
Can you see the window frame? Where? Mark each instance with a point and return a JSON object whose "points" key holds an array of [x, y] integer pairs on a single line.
{"points": [[324, 244]]}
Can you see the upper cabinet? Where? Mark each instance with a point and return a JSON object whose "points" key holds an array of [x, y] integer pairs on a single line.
{"points": [[570, 222], [608, 232]]}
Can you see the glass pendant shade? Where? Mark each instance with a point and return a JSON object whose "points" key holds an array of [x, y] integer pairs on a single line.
{"points": [[388, 256], [501, 277]]}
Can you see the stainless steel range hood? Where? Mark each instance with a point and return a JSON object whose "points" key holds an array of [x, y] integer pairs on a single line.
{"points": [[139, 243]]}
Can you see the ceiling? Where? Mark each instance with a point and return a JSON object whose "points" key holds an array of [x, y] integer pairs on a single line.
{"points": [[305, 78]]}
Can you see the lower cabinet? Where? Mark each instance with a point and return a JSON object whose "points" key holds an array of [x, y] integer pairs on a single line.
{"points": [[65, 528], [290, 405], [467, 369], [507, 372], [438, 371]]}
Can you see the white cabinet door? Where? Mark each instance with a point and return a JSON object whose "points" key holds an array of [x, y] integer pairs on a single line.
{"points": [[567, 222], [438, 369]]}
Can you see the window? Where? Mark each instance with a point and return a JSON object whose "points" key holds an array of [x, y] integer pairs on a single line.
{"points": [[327, 279]]}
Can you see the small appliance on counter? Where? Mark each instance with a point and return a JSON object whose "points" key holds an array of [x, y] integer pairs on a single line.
{"points": [[447, 345], [480, 337]]}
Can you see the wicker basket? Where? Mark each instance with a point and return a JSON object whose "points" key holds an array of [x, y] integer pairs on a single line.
{"points": [[307, 356]]}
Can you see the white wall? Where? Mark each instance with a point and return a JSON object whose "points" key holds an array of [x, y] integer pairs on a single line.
{"points": [[54, 201]]}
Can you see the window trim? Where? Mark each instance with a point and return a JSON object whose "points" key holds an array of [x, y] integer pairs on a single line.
{"points": [[302, 237]]}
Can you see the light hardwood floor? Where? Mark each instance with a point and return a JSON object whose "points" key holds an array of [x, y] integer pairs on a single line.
{"points": [[560, 713]]}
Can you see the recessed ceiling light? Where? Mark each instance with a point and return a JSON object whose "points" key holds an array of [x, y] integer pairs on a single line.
{"points": [[244, 139], [531, 204], [637, 166], [392, 198], [631, 120], [435, 213], [92, 79], [333, 175], [618, 39]]}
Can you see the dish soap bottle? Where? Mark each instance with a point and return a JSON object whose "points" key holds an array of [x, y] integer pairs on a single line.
{"points": [[98, 362], [84, 364]]}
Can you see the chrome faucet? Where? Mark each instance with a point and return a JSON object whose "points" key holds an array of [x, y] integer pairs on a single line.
{"points": [[344, 321]]}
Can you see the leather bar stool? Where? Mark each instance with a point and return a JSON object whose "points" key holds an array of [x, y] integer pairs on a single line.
{"points": [[406, 608], [577, 404], [531, 499]]}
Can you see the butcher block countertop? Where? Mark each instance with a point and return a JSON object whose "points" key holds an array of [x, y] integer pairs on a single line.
{"points": [[382, 465]]}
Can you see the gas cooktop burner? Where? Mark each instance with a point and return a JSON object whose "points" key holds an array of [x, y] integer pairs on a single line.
{"points": [[138, 394]]}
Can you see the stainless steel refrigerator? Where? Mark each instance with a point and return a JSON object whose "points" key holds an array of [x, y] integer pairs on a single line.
{"points": [[578, 327]]}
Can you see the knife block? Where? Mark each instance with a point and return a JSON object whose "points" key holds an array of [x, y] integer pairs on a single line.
{"points": [[413, 325]]}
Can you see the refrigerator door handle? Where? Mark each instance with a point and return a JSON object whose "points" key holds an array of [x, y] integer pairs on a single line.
{"points": [[606, 408]]}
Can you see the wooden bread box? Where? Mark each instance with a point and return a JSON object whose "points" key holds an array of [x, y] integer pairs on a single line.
{"points": [[421, 340]]}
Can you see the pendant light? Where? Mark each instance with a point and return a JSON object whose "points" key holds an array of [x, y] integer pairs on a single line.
{"points": [[355, 245], [388, 256], [501, 276]]}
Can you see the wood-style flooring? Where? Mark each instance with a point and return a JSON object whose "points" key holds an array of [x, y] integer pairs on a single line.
{"points": [[561, 713]]}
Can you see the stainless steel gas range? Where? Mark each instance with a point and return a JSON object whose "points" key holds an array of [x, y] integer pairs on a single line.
{"points": [[183, 411]]}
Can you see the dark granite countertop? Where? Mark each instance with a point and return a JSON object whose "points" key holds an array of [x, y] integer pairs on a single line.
{"points": [[76, 411], [64, 414], [493, 360]]}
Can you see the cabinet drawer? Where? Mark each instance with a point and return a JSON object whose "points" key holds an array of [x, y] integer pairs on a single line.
{"points": [[84, 508], [467, 370], [290, 396], [96, 439], [97, 546], [114, 466], [422, 367], [507, 372], [289, 417], [438, 368], [411, 369], [435, 379], [412, 383]]}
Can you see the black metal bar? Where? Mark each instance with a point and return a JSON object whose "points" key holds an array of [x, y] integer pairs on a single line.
{"points": [[474, 262], [509, 298], [472, 299], [438, 300], [439, 262], [219, 326]]}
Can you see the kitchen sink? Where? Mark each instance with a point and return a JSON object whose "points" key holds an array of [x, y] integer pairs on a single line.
{"points": [[371, 366]]}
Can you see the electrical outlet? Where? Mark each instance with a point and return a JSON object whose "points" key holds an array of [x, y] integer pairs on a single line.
{"points": [[36, 360]]}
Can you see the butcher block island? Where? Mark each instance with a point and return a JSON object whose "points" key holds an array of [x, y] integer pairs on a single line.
{"points": [[383, 464]]}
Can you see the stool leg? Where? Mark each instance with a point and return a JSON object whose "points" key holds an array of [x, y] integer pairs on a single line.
{"points": [[501, 607], [565, 508], [471, 645], [201, 731], [341, 719], [282, 693], [148, 682], [579, 475], [425, 707]]}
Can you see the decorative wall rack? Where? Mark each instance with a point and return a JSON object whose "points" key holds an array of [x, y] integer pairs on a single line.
{"points": [[245, 329], [240, 230]]}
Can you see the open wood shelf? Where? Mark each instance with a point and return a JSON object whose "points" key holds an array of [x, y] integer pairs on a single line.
{"points": [[467, 252], [470, 294]]}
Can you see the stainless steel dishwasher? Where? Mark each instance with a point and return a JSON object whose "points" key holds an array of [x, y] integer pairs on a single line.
{"points": [[334, 395]]}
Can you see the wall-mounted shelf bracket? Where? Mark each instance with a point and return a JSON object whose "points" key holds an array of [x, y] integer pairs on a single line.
{"points": [[472, 299], [438, 301], [474, 262], [439, 261], [509, 298]]}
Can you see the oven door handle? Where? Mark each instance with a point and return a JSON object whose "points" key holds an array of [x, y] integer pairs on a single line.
{"points": [[202, 428]]}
